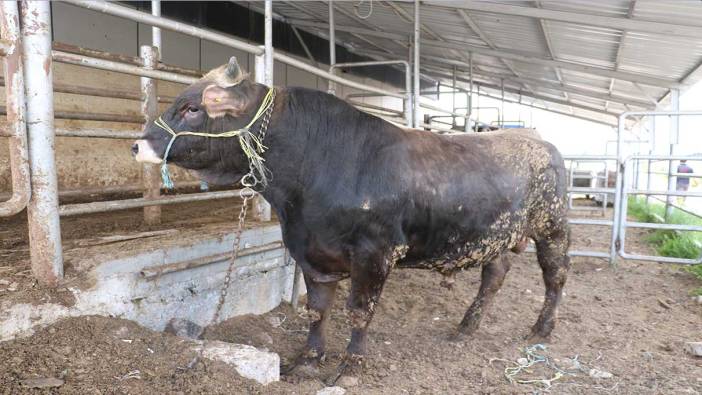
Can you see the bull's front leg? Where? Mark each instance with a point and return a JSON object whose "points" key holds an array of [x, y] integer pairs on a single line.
{"points": [[320, 297], [367, 281]]}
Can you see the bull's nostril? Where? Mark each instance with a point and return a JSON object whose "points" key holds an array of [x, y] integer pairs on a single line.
{"points": [[135, 148]]}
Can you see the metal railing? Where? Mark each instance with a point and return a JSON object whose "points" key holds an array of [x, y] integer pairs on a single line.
{"points": [[625, 223], [622, 191], [594, 179], [593, 190]]}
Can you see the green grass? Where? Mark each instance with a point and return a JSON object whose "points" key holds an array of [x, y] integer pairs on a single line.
{"points": [[670, 243]]}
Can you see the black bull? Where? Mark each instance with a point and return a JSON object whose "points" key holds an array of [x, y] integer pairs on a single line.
{"points": [[357, 196]]}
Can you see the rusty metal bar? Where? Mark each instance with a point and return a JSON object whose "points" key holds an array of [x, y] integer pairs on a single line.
{"points": [[14, 94], [133, 60], [125, 204], [149, 108], [110, 189], [101, 92], [119, 67], [90, 116], [155, 272], [96, 133], [42, 210]]}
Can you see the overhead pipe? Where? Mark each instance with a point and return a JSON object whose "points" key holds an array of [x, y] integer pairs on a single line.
{"points": [[16, 117]]}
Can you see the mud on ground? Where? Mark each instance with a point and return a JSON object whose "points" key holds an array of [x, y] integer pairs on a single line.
{"points": [[631, 322]]}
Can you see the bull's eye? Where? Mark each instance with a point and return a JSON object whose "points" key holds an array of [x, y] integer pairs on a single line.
{"points": [[193, 109]]}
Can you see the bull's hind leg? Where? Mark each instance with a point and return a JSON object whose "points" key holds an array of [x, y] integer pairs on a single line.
{"points": [[491, 278], [320, 297], [552, 254]]}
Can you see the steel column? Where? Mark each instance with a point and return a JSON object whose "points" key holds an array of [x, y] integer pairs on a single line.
{"points": [[469, 104], [674, 139], [332, 45], [415, 64], [14, 97], [150, 176], [614, 241], [42, 211], [264, 75], [155, 31]]}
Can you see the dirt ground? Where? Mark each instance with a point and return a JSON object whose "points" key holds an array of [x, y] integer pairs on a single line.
{"points": [[631, 321]]}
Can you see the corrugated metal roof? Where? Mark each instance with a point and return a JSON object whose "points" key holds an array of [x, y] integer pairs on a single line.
{"points": [[603, 55]]}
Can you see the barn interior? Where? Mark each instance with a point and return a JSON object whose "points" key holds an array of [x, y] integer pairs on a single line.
{"points": [[87, 231]]}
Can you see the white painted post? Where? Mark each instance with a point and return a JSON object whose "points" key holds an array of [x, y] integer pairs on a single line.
{"points": [[264, 75], [42, 211], [674, 139], [150, 176], [415, 64], [332, 45], [156, 31]]}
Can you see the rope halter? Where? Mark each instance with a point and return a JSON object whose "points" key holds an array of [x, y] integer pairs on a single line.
{"points": [[251, 144]]}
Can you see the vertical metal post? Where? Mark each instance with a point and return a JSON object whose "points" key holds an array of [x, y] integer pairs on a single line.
{"points": [[652, 142], [453, 95], [617, 214], [332, 45], [264, 75], [415, 65], [501, 119], [156, 31], [469, 104], [14, 97], [149, 109], [674, 139], [42, 211], [407, 101]]}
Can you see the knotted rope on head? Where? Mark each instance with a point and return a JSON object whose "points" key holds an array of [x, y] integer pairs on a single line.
{"points": [[251, 144]]}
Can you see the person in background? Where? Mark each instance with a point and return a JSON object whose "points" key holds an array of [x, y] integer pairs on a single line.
{"points": [[683, 182]]}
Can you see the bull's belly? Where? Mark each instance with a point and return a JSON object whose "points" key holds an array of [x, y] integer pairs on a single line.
{"points": [[462, 254]]}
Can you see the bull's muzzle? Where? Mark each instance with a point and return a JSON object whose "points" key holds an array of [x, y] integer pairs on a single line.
{"points": [[143, 152]]}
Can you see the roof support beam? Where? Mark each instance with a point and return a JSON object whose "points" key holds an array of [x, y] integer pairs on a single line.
{"points": [[506, 54], [474, 26], [642, 79], [618, 57], [637, 25], [533, 95], [554, 85], [613, 123], [348, 29], [549, 46]]}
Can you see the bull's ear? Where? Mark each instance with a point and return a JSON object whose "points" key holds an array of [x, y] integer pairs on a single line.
{"points": [[219, 101]]}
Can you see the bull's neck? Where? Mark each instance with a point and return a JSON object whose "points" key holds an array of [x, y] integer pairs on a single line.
{"points": [[312, 138]]}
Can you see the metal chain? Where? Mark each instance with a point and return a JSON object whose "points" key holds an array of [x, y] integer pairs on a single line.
{"points": [[247, 194]]}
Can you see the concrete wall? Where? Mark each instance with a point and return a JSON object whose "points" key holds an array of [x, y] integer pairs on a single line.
{"points": [[102, 162]]}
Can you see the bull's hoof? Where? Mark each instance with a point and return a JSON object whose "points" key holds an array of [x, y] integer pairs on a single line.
{"points": [[539, 334], [351, 367], [467, 327], [306, 366]]}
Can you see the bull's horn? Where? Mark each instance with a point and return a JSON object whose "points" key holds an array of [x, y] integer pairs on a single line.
{"points": [[233, 71]]}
